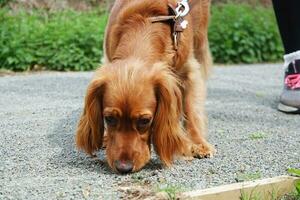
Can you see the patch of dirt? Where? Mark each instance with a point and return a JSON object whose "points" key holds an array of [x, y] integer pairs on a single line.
{"points": [[140, 191], [6, 73]]}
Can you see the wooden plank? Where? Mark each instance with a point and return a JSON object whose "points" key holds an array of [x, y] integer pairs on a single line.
{"points": [[263, 188]]}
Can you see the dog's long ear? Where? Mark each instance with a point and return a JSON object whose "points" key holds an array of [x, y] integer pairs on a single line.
{"points": [[168, 135], [91, 128]]}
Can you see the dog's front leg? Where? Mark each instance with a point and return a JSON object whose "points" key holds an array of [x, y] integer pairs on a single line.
{"points": [[195, 122]]}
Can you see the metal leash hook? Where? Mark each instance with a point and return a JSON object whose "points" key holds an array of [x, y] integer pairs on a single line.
{"points": [[182, 9]]}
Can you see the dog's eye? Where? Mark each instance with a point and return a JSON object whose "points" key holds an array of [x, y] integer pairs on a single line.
{"points": [[143, 123], [111, 121]]}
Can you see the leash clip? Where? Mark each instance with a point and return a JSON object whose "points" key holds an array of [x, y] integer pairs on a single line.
{"points": [[182, 8]]}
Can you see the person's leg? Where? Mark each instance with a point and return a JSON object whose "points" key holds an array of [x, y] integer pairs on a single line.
{"points": [[288, 19]]}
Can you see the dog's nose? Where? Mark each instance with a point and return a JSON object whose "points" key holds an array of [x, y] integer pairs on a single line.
{"points": [[124, 166]]}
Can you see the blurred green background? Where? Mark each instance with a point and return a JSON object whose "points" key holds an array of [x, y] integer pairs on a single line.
{"points": [[68, 34]]}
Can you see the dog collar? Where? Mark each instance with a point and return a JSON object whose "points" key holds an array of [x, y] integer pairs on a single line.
{"points": [[176, 19]]}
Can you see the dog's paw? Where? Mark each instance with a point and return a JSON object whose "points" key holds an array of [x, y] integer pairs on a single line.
{"points": [[203, 151], [187, 158]]}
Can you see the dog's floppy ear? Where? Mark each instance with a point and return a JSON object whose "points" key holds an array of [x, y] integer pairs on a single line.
{"points": [[91, 128], [167, 135]]}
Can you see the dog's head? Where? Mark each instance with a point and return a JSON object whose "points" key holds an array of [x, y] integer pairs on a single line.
{"points": [[134, 105]]}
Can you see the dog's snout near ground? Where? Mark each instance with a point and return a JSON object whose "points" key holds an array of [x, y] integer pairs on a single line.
{"points": [[124, 166], [39, 113]]}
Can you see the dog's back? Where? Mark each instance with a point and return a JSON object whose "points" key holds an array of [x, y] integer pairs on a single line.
{"points": [[198, 19]]}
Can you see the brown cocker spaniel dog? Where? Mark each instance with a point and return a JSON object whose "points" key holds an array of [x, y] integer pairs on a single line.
{"points": [[151, 87]]}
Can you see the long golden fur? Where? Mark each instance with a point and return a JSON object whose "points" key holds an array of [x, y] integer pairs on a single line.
{"points": [[146, 92]]}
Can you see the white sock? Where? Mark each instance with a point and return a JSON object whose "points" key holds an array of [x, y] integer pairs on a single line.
{"points": [[288, 58]]}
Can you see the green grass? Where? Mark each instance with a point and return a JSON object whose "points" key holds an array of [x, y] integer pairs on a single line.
{"points": [[296, 193], [171, 190], [72, 40], [67, 40], [257, 135], [248, 176], [240, 33], [294, 172]]}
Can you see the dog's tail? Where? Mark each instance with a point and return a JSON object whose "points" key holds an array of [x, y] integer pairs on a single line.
{"points": [[203, 55], [205, 59], [200, 16]]}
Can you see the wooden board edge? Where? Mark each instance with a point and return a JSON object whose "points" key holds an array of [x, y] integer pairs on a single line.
{"points": [[264, 188]]}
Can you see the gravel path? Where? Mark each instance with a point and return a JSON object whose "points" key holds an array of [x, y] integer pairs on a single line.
{"points": [[39, 113]]}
